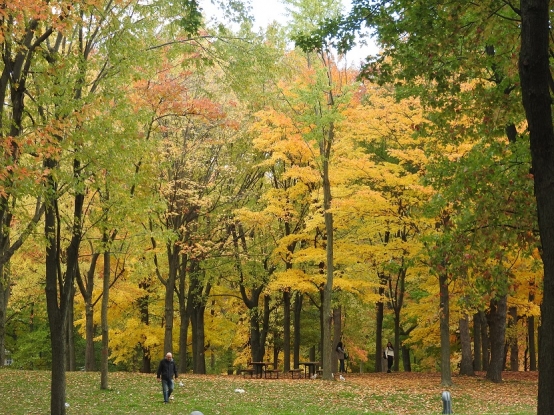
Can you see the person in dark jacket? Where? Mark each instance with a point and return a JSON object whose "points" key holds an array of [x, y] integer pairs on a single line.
{"points": [[388, 354], [341, 354], [166, 370]]}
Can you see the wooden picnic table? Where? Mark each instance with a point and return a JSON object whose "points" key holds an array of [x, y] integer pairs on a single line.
{"points": [[310, 368], [260, 368]]}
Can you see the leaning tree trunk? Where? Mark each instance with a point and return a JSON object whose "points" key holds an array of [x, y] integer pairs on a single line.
{"points": [[535, 76], [514, 345], [446, 374], [497, 328]]}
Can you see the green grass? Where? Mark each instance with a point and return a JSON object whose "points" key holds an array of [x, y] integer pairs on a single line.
{"points": [[28, 392]]}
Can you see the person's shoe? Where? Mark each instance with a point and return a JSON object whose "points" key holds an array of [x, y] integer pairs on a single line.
{"points": [[388, 371]]}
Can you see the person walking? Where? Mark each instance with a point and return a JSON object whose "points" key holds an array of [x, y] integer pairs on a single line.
{"points": [[166, 370], [388, 353], [340, 355]]}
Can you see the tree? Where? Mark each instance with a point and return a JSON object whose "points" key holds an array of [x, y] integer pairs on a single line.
{"points": [[534, 71]]}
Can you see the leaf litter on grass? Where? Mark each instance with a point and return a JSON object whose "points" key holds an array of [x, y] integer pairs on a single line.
{"points": [[375, 394]]}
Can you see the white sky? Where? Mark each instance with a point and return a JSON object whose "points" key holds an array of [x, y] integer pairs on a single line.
{"points": [[267, 11]]}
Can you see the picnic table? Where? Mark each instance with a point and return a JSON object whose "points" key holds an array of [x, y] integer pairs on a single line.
{"points": [[310, 368], [260, 368]]}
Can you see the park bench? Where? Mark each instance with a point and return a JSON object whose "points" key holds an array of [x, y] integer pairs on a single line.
{"points": [[245, 372], [295, 373], [271, 372]]}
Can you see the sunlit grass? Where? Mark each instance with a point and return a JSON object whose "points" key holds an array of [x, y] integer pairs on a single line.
{"points": [[28, 392]]}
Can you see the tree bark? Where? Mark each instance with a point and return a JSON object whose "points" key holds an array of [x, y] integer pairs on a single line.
{"points": [[4, 297], [531, 343], [466, 364], [446, 373], [535, 76], [379, 315], [485, 341], [477, 348], [104, 318], [514, 346], [337, 334], [286, 330], [497, 327], [298, 298]]}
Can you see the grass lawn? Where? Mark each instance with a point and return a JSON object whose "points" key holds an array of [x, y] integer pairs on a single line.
{"points": [[28, 392]]}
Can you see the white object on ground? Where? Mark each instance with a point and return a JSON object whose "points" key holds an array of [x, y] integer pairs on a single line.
{"points": [[239, 390]]}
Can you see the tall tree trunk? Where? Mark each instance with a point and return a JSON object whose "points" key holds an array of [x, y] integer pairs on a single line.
{"points": [[379, 315], [514, 346], [4, 297], [406, 363], [70, 334], [143, 306], [477, 357], [531, 334], [57, 316], [104, 319], [485, 340], [286, 330], [184, 314], [337, 334], [298, 298], [535, 76], [59, 287], [446, 375], [198, 309], [173, 258], [466, 364], [327, 347], [531, 342], [497, 327]]}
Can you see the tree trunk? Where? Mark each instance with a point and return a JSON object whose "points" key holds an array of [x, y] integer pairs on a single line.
{"points": [[466, 364], [4, 297], [104, 320], [406, 363], [531, 343], [286, 330], [497, 327], [485, 340], [446, 375], [70, 334], [535, 76], [379, 315], [297, 310], [173, 259], [146, 364], [198, 309], [327, 346], [514, 346], [184, 314], [56, 317], [337, 333], [477, 348]]}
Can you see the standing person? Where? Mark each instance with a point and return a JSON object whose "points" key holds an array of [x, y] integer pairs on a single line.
{"points": [[166, 370], [388, 353], [340, 354]]}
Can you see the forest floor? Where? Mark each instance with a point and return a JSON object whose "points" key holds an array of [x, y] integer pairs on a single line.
{"points": [[28, 392]]}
